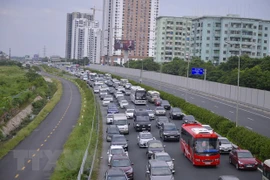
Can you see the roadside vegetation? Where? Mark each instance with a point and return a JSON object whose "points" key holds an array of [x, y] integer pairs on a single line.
{"points": [[259, 145], [255, 73], [19, 87], [29, 124]]}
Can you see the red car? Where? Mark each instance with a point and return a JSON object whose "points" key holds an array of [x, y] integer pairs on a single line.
{"points": [[158, 102], [243, 159]]}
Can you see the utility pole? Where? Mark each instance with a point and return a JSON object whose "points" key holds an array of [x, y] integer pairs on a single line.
{"points": [[205, 72], [9, 55], [44, 52], [187, 79]]}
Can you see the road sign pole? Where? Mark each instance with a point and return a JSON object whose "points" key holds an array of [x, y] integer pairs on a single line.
{"points": [[205, 72]]}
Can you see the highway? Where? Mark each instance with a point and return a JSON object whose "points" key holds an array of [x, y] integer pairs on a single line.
{"points": [[248, 117], [35, 157], [183, 167]]}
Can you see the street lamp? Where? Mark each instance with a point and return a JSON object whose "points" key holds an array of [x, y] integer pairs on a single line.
{"points": [[238, 82], [187, 78], [141, 72], [160, 72]]}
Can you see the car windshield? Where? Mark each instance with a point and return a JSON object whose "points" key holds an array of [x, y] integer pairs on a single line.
{"points": [[244, 155], [120, 122], [206, 145], [130, 111], [163, 120], [106, 99], [146, 136], [110, 116], [117, 177], [119, 138], [176, 110], [164, 157], [116, 151], [120, 162], [143, 113], [142, 118], [170, 128], [124, 102], [155, 145], [113, 131], [161, 171], [224, 141], [159, 108]]}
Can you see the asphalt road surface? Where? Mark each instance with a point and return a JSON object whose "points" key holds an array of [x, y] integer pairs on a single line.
{"points": [[183, 167], [35, 157], [249, 118]]}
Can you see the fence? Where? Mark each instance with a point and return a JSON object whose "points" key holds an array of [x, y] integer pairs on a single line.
{"points": [[252, 97]]}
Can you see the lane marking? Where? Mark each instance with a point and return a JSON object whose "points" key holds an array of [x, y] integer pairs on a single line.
{"points": [[45, 140], [249, 128], [250, 119], [260, 169], [23, 168], [216, 106], [41, 145], [231, 112], [17, 175], [54, 129], [28, 161], [51, 133], [33, 155], [48, 136], [38, 149]]}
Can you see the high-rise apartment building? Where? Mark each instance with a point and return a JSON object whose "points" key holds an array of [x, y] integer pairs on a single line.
{"points": [[69, 28], [129, 20], [172, 38], [85, 40], [217, 38]]}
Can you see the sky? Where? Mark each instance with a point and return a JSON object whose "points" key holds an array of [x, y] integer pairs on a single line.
{"points": [[26, 26]]}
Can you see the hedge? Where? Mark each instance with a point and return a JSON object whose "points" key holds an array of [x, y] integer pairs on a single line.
{"points": [[258, 145]]}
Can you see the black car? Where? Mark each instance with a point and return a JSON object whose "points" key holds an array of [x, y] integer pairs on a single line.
{"points": [[120, 140], [169, 131], [176, 113], [154, 146], [140, 112], [111, 130], [228, 177], [115, 173], [160, 120], [166, 104], [142, 123], [189, 119]]}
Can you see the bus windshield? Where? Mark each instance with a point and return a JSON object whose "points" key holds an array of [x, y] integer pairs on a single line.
{"points": [[140, 95], [206, 145]]}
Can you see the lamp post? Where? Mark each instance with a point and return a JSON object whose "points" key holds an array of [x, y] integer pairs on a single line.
{"points": [[160, 72], [187, 78], [238, 87], [141, 72]]}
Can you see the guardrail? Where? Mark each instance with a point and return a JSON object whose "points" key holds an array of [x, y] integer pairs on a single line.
{"points": [[95, 119]]}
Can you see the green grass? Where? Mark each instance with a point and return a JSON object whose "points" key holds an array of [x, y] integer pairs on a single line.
{"points": [[26, 131], [69, 162]]}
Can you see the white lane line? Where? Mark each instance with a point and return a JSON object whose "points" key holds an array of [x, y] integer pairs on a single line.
{"points": [[231, 112], [249, 128], [251, 119], [260, 169], [216, 106]]}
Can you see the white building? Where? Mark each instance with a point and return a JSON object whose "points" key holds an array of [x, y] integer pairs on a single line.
{"points": [[84, 41]]}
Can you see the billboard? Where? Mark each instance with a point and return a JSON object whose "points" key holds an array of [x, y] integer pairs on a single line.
{"points": [[124, 45]]}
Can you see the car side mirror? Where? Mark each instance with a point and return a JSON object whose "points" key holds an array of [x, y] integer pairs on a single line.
{"points": [[219, 143], [109, 165], [108, 153], [173, 159], [164, 145], [127, 139], [132, 164], [128, 123], [147, 172]]}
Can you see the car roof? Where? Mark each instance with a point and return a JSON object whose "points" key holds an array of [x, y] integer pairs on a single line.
{"points": [[115, 171], [144, 132], [162, 153], [116, 147], [112, 126], [118, 135], [168, 124], [162, 117], [155, 162], [154, 141], [176, 108], [222, 137], [120, 157], [242, 150]]}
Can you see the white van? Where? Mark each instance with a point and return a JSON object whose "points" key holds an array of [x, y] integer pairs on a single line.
{"points": [[121, 121]]}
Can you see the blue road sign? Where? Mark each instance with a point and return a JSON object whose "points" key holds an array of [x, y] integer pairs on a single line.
{"points": [[197, 71]]}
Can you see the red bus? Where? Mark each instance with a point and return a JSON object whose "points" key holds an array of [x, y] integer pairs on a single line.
{"points": [[199, 145]]}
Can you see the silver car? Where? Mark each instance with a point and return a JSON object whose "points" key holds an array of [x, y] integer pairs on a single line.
{"points": [[157, 170], [225, 146], [151, 114], [129, 113], [96, 89], [160, 111], [143, 138], [164, 156]]}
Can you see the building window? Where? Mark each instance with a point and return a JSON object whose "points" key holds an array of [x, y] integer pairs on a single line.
{"points": [[208, 38], [264, 54], [225, 32], [224, 52], [208, 32], [264, 48], [206, 58], [265, 41], [207, 45], [224, 59], [226, 25], [266, 28], [265, 35], [209, 25], [207, 51]]}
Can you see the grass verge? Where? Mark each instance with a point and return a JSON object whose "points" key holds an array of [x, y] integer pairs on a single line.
{"points": [[26, 131], [69, 162]]}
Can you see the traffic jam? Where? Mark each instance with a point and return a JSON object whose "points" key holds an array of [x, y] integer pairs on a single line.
{"points": [[131, 109]]}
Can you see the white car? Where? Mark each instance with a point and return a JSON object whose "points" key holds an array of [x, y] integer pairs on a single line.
{"points": [[129, 113], [160, 111], [143, 138], [109, 97], [109, 119], [118, 94], [96, 89], [225, 146], [106, 101], [128, 85], [116, 150], [207, 127], [121, 88], [164, 156], [123, 103]]}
